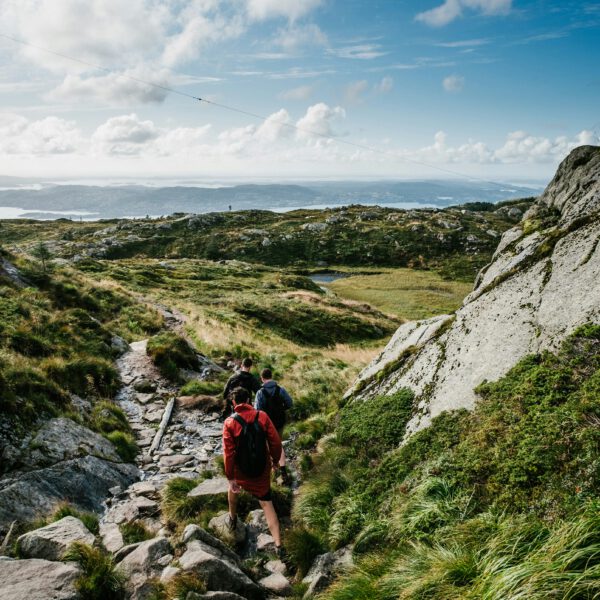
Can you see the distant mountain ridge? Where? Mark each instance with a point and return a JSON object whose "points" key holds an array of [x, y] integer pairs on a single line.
{"points": [[139, 200]]}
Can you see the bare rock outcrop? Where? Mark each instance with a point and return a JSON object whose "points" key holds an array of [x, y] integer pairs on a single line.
{"points": [[36, 579], [52, 541], [543, 282]]}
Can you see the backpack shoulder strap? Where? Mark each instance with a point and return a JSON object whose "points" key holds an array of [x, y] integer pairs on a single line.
{"points": [[241, 421]]}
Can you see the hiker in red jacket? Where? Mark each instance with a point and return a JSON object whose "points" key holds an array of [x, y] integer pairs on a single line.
{"points": [[251, 446]]}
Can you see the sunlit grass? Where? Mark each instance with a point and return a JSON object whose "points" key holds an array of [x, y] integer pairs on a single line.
{"points": [[406, 293]]}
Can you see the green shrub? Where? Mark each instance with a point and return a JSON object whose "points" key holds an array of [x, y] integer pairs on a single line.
{"points": [[135, 531], [199, 388], [107, 417], [376, 425], [124, 444], [83, 375], [303, 546], [100, 580], [170, 352], [182, 584], [64, 509]]}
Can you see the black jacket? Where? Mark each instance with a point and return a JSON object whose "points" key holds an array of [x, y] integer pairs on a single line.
{"points": [[241, 379]]}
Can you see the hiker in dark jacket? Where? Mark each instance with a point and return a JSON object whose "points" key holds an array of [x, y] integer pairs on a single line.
{"points": [[275, 401], [240, 423], [244, 379]]}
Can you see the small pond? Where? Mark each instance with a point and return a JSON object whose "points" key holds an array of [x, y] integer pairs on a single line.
{"points": [[327, 276]]}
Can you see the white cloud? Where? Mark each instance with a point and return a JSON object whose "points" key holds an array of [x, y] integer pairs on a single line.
{"points": [[295, 37], [353, 91], [453, 83], [48, 136], [519, 148], [114, 34], [96, 31], [359, 51], [452, 9], [385, 85], [115, 89], [261, 10], [318, 121], [126, 134], [463, 43], [271, 147], [302, 92]]}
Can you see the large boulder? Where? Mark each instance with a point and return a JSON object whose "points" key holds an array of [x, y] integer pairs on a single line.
{"points": [[36, 579], [195, 533], [147, 561], [543, 283], [52, 541], [84, 482], [62, 439], [218, 572]]}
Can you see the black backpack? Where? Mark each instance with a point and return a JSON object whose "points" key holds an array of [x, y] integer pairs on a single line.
{"points": [[251, 448], [275, 407]]}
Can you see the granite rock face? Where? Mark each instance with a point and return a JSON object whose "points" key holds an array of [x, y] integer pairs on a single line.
{"points": [[84, 482], [35, 579], [543, 283], [51, 542]]}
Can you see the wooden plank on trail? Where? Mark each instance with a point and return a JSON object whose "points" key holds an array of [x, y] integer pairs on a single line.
{"points": [[163, 426]]}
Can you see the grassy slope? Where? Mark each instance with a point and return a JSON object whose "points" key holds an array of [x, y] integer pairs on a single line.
{"points": [[498, 503], [55, 340], [407, 293], [455, 240]]}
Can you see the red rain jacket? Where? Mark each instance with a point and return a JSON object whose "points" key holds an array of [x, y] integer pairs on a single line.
{"points": [[257, 486]]}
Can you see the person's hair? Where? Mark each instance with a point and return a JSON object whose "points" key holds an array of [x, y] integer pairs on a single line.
{"points": [[247, 362], [266, 374], [240, 395]]}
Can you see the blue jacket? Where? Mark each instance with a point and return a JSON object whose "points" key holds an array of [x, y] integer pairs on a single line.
{"points": [[260, 401]]}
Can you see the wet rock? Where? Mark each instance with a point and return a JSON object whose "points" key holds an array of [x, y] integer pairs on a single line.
{"points": [[52, 541], [36, 579], [220, 525]]}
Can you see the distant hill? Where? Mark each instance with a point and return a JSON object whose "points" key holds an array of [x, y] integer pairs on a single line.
{"points": [[139, 200]]}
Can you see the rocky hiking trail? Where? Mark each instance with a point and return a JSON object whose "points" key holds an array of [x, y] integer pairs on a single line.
{"points": [[178, 437]]}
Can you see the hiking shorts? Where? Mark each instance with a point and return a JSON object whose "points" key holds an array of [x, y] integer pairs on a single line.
{"points": [[266, 498]]}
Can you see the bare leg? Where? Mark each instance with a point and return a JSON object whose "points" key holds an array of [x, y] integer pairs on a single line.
{"points": [[232, 499], [282, 459], [272, 520]]}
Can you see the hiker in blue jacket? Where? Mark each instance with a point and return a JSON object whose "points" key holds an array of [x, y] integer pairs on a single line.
{"points": [[274, 399]]}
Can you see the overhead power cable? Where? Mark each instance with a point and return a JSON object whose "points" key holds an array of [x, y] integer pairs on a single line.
{"points": [[253, 115]]}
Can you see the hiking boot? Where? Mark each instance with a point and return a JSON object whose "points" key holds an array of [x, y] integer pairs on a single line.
{"points": [[286, 477], [280, 553], [231, 523]]}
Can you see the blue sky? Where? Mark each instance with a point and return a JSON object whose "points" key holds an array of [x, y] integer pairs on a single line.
{"points": [[489, 88]]}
